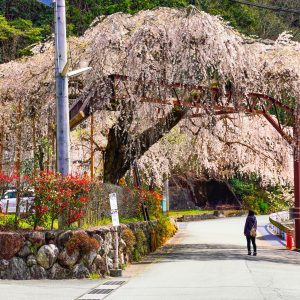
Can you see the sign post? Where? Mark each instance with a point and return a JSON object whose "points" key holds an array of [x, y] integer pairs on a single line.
{"points": [[115, 272], [165, 200]]}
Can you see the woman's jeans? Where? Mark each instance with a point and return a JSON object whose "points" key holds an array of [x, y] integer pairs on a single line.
{"points": [[251, 239]]}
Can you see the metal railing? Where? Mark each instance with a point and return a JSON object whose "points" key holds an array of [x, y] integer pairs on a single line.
{"points": [[282, 224]]}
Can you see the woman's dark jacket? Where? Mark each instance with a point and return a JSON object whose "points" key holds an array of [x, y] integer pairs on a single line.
{"points": [[250, 222]]}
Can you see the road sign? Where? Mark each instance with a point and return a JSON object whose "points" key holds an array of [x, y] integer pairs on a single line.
{"points": [[115, 220], [114, 209], [113, 201], [115, 217]]}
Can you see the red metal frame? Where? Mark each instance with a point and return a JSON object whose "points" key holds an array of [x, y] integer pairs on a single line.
{"points": [[254, 103]]}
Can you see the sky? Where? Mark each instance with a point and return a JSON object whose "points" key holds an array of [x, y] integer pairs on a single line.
{"points": [[48, 2]]}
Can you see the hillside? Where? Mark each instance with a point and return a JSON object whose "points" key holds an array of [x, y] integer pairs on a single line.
{"points": [[25, 22]]}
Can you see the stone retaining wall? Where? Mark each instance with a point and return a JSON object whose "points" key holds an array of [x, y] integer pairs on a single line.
{"points": [[42, 255]]}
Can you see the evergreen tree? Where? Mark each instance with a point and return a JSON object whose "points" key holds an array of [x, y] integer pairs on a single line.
{"points": [[24, 22]]}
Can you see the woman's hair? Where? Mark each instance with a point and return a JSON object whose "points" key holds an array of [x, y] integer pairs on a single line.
{"points": [[251, 213]]}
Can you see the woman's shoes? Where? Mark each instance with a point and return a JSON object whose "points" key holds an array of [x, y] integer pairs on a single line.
{"points": [[249, 253], [254, 253]]}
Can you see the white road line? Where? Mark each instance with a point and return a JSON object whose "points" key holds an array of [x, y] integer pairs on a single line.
{"points": [[93, 297], [105, 286]]}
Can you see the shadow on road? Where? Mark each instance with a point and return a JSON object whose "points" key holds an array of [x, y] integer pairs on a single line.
{"points": [[269, 236], [207, 252]]}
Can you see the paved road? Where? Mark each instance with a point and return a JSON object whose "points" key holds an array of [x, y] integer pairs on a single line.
{"points": [[207, 260]]}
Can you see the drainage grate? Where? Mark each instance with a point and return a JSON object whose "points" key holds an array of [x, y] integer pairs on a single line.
{"points": [[100, 291], [113, 282]]}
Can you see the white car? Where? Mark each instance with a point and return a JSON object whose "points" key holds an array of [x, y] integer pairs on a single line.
{"points": [[8, 202]]}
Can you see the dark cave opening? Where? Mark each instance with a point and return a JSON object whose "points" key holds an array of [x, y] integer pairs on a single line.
{"points": [[190, 192]]}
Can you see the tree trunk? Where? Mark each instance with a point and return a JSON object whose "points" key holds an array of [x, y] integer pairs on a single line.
{"points": [[1, 146], [122, 149]]}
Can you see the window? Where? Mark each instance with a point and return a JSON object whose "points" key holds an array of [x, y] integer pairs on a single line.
{"points": [[10, 195]]}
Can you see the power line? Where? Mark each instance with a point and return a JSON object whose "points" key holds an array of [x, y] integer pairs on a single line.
{"points": [[274, 8]]}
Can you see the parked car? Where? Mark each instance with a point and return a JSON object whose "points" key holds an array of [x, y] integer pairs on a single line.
{"points": [[8, 202]]}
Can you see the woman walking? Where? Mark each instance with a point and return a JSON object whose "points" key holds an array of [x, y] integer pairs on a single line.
{"points": [[250, 232]]}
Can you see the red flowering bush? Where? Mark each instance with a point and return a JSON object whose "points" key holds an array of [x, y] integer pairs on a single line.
{"points": [[83, 243], [75, 192], [133, 199], [46, 203], [10, 180], [56, 195], [152, 200]]}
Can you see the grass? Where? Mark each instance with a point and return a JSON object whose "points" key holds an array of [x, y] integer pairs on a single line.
{"points": [[9, 220], [188, 212], [94, 276], [107, 221], [101, 222]]}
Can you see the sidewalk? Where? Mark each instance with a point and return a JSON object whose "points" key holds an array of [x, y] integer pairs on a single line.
{"points": [[46, 289]]}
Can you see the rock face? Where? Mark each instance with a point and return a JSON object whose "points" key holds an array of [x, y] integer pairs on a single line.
{"points": [[3, 264], [68, 260], [26, 250], [99, 265], [36, 238], [31, 261], [17, 269], [58, 272], [64, 237], [47, 256], [10, 244], [109, 262], [38, 272], [80, 271], [89, 258], [107, 245]]}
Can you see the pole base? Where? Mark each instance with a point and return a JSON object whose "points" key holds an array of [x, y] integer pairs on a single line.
{"points": [[115, 272]]}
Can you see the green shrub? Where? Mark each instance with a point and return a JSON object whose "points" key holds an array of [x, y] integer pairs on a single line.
{"points": [[263, 206], [141, 247], [94, 276], [129, 238], [260, 198], [162, 231]]}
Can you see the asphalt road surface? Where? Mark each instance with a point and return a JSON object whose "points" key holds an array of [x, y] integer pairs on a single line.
{"points": [[208, 260]]}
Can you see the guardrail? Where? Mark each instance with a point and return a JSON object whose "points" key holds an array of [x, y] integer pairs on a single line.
{"points": [[282, 224]]}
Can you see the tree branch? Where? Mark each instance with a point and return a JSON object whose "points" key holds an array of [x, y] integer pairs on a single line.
{"points": [[123, 149]]}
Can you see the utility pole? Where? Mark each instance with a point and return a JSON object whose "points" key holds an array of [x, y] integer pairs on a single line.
{"points": [[92, 144], [62, 76], [62, 96], [296, 210], [62, 92]]}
